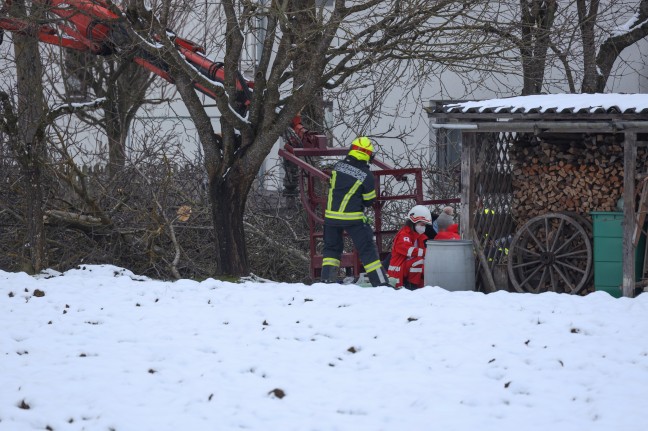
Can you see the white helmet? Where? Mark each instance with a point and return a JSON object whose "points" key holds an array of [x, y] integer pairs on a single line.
{"points": [[420, 213]]}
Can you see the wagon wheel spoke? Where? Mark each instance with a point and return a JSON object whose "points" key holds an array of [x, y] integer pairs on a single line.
{"points": [[554, 285], [558, 232], [522, 265], [575, 268], [566, 243], [535, 239], [526, 250], [542, 280], [574, 254], [568, 282], [534, 272]]}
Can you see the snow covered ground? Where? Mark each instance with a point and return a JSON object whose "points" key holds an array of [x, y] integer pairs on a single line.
{"points": [[105, 349]]}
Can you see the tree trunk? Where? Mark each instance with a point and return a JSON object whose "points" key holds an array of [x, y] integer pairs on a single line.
{"points": [[30, 145], [125, 91], [35, 227], [537, 21], [228, 194], [230, 175], [115, 133], [587, 21]]}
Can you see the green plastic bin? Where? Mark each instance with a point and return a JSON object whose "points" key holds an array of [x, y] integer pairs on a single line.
{"points": [[608, 252]]}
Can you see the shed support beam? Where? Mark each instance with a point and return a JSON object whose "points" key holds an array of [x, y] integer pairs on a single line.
{"points": [[466, 219], [629, 173]]}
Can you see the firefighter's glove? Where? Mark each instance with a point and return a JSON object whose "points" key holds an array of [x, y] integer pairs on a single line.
{"points": [[367, 220]]}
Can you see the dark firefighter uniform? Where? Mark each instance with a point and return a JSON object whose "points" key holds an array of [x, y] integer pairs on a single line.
{"points": [[351, 190]]}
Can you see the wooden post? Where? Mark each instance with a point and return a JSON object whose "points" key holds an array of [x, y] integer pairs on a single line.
{"points": [[629, 171], [468, 144]]}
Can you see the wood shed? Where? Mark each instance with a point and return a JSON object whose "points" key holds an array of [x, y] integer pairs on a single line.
{"points": [[553, 190]]}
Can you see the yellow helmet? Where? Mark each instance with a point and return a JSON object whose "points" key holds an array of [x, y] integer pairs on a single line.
{"points": [[361, 148]]}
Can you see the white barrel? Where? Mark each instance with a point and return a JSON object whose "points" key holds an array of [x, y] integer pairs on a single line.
{"points": [[450, 264]]}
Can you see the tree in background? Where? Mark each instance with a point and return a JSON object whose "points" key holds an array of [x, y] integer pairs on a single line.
{"points": [[598, 65], [124, 86], [24, 120], [577, 43]]}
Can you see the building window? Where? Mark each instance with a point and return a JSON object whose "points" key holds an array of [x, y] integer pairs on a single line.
{"points": [[448, 148]]}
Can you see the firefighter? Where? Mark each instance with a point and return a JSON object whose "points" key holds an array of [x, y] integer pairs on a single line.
{"points": [[351, 190], [408, 250]]}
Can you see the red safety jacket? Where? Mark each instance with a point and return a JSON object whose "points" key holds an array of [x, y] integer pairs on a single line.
{"points": [[408, 252]]}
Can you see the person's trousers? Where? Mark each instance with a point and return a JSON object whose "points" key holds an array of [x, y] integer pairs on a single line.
{"points": [[362, 236]]}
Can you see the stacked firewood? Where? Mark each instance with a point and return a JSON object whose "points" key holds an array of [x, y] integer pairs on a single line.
{"points": [[558, 174]]}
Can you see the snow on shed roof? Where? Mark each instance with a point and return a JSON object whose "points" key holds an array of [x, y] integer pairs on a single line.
{"points": [[555, 104]]}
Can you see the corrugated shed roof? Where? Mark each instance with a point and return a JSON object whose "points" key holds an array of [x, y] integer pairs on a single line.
{"points": [[611, 103]]}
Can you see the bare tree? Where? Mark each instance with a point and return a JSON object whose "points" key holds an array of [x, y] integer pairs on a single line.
{"points": [[307, 48], [24, 119], [115, 77], [577, 42], [123, 85], [22, 122], [598, 65], [530, 36]]}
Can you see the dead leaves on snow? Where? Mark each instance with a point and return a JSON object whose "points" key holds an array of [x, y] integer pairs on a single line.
{"points": [[277, 393]]}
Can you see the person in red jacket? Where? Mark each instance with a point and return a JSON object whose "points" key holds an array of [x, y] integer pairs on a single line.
{"points": [[408, 249], [448, 229]]}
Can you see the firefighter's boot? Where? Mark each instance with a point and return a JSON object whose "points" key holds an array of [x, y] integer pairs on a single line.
{"points": [[329, 274]]}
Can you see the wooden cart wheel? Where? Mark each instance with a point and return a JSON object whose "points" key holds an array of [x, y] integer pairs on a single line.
{"points": [[551, 252]]}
